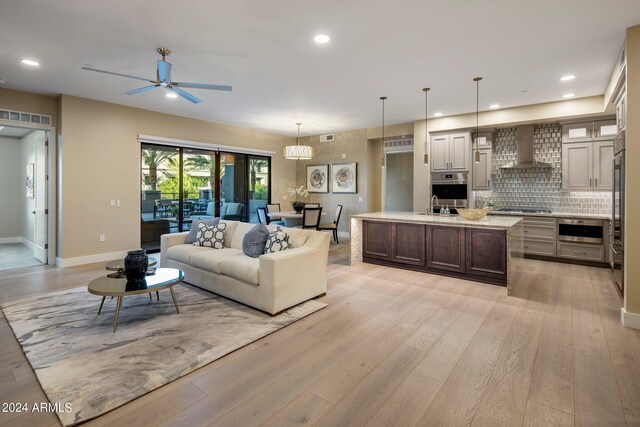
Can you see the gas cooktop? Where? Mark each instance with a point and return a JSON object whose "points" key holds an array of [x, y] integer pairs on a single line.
{"points": [[526, 210]]}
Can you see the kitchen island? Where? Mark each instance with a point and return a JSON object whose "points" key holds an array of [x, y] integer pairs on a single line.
{"points": [[489, 250]]}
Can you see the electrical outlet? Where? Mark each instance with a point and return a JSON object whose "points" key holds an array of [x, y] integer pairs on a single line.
{"points": [[344, 156], [103, 238], [113, 203]]}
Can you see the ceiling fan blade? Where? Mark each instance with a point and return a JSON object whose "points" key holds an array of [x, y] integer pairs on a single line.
{"points": [[117, 74], [202, 86], [185, 95], [164, 71], [142, 89]]}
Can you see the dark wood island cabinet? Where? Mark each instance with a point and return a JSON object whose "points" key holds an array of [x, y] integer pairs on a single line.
{"points": [[449, 246]]}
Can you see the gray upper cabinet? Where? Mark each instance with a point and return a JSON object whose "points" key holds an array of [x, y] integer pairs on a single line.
{"points": [[440, 153], [483, 140], [482, 171], [605, 130], [450, 153], [587, 166], [603, 165], [576, 166], [577, 132], [587, 155]]}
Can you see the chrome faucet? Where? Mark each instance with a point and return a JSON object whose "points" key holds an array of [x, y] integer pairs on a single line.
{"points": [[431, 208]]}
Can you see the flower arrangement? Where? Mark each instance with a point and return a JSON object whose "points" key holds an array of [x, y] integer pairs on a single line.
{"points": [[297, 194]]}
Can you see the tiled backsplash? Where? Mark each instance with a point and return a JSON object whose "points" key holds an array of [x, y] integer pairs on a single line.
{"points": [[537, 187]]}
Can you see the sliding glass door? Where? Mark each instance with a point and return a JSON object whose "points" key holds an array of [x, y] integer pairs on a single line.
{"points": [[180, 185]]}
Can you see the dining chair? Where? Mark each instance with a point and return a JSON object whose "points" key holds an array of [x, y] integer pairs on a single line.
{"points": [[312, 205], [273, 207], [311, 217], [333, 226], [263, 218]]}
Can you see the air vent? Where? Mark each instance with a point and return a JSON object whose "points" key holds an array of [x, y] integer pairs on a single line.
{"points": [[398, 145], [22, 117], [326, 138]]}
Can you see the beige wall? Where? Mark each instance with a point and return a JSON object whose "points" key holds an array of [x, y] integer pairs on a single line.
{"points": [[100, 161], [11, 188], [29, 102], [353, 145], [632, 175]]}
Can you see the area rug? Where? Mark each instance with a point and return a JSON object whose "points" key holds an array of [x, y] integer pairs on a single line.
{"points": [[86, 370]]}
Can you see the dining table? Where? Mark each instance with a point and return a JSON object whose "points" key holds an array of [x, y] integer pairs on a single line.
{"points": [[290, 218]]}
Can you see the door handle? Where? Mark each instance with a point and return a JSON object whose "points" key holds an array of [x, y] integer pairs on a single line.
{"points": [[33, 212], [596, 182]]}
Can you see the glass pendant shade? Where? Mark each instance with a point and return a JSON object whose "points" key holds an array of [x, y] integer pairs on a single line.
{"points": [[298, 152]]}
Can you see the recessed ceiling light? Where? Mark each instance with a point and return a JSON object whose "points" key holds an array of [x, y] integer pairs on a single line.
{"points": [[568, 95], [437, 114], [31, 62], [321, 38], [567, 77], [494, 106], [171, 95]]}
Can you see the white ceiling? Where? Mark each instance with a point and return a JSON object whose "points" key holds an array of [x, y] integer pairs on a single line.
{"points": [[14, 132], [280, 76]]}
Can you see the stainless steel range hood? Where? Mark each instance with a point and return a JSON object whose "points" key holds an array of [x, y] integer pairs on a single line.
{"points": [[524, 151]]}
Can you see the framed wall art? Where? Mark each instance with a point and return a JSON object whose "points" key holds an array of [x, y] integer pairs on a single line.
{"points": [[344, 177], [318, 179]]}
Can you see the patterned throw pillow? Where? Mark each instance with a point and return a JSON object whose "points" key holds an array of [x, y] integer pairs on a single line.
{"points": [[191, 237], [212, 237], [278, 241]]}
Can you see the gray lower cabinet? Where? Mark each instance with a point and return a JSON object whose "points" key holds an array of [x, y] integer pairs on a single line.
{"points": [[581, 251], [539, 236]]}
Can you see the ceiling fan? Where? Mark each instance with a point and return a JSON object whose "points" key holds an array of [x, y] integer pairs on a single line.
{"points": [[164, 79]]}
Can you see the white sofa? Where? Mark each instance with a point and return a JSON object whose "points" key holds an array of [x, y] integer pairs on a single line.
{"points": [[271, 283]]}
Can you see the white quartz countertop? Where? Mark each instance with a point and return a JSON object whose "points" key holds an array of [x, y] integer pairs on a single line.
{"points": [[554, 215], [498, 221]]}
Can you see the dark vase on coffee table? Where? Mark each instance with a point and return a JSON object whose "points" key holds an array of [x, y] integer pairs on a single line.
{"points": [[135, 267]]}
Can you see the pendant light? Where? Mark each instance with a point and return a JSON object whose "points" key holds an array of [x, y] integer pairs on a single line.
{"points": [[426, 130], [477, 153], [382, 160], [298, 152]]}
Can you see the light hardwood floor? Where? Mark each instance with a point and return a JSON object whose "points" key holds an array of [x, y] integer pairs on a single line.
{"points": [[393, 347]]}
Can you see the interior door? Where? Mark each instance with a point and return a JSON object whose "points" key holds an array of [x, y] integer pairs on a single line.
{"points": [[40, 194]]}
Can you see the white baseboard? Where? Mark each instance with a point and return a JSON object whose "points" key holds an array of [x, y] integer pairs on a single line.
{"points": [[26, 243], [90, 259], [630, 320], [4, 240]]}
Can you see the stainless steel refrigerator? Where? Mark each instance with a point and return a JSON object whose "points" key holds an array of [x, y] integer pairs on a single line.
{"points": [[616, 245]]}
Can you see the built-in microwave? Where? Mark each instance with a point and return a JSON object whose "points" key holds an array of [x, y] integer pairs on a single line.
{"points": [[581, 230]]}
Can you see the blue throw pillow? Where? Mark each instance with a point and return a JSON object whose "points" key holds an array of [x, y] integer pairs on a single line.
{"points": [[254, 241]]}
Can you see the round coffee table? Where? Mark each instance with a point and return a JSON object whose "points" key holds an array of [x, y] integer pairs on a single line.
{"points": [[112, 287]]}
